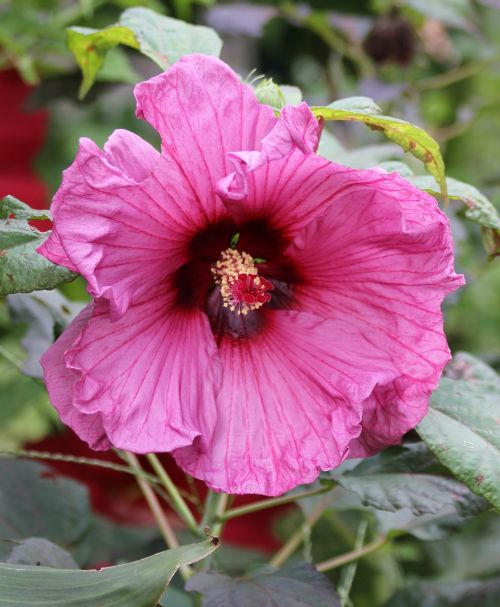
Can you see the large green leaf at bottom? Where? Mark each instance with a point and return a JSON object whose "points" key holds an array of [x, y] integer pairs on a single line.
{"points": [[137, 584], [462, 427]]}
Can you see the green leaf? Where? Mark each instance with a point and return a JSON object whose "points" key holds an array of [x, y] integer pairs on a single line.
{"points": [[36, 503], [481, 593], [42, 553], [176, 598], [22, 269], [163, 39], [47, 314], [293, 585], [394, 480], [137, 584], [365, 105], [462, 428], [166, 40], [429, 526], [13, 206], [411, 138], [362, 158], [89, 46]]}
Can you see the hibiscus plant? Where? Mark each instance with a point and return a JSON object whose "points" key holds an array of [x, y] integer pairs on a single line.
{"points": [[235, 304]]}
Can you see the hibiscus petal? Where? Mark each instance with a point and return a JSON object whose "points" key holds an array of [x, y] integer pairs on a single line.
{"points": [[60, 381], [122, 234], [151, 375], [381, 259], [289, 405], [203, 111], [135, 157], [54, 250], [289, 192]]}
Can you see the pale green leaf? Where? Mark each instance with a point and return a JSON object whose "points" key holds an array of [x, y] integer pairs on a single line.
{"points": [[47, 314], [166, 40], [365, 105], [162, 39], [137, 584]]}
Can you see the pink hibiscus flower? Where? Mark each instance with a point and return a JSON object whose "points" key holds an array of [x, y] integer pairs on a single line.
{"points": [[259, 311]]}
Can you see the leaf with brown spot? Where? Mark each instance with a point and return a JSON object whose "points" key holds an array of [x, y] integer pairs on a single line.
{"points": [[410, 137]]}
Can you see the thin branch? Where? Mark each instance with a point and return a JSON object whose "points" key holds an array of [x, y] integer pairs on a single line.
{"points": [[156, 510], [12, 358], [272, 503], [354, 555], [452, 76], [348, 573], [73, 459], [178, 502], [295, 540]]}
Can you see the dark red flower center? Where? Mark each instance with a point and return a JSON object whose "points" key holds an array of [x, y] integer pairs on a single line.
{"points": [[241, 288], [235, 286]]}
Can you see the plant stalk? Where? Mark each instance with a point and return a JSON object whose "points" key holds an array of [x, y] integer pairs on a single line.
{"points": [[157, 511], [178, 502], [354, 555], [271, 503]]}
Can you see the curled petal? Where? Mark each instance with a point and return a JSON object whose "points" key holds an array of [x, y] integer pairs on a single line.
{"points": [[296, 130], [135, 157], [60, 381]]}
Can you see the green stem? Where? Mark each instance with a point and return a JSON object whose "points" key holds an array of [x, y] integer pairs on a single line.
{"points": [[296, 539], [62, 457], [452, 76], [220, 508], [271, 503], [157, 511], [11, 358], [348, 573], [354, 555], [178, 502]]}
